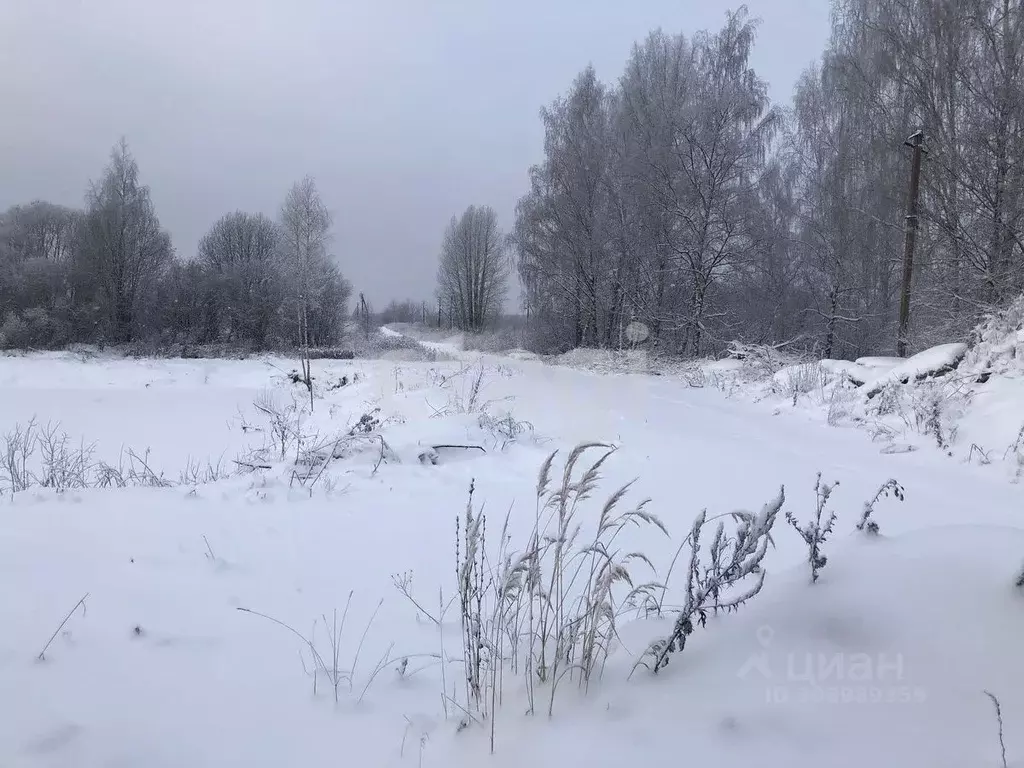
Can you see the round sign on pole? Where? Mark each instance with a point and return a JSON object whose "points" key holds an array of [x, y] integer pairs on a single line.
{"points": [[637, 332]]}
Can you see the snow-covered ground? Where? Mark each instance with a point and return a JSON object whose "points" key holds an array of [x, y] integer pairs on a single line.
{"points": [[966, 402], [177, 657]]}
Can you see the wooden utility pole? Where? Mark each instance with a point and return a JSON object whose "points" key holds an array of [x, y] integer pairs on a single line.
{"points": [[364, 311], [915, 142]]}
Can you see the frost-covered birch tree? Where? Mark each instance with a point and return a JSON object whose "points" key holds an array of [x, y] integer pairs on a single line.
{"points": [[318, 293], [472, 275]]}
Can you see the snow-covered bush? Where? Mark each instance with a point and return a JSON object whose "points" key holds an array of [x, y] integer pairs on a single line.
{"points": [[291, 441], [505, 428], [931, 407], [32, 329], [935, 406], [997, 344], [760, 361], [841, 405], [493, 342], [794, 381], [394, 346]]}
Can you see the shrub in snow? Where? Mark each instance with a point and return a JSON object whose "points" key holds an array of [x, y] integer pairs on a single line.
{"points": [[932, 405], [760, 361], [47, 457], [33, 328], [997, 344], [731, 564], [867, 523], [465, 389], [493, 342], [505, 428], [18, 449], [379, 345], [308, 452], [841, 402], [816, 532], [800, 379], [929, 407], [281, 428]]}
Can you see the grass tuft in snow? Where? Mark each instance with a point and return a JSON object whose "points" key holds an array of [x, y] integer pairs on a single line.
{"points": [[79, 604], [545, 613], [34, 457], [1016, 451], [573, 604], [326, 662]]}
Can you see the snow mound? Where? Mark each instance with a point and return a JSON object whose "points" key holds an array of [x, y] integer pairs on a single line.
{"points": [[856, 372], [804, 377], [835, 674], [931, 362], [879, 363]]}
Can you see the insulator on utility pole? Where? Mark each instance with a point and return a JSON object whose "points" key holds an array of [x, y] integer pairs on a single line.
{"points": [[915, 142]]}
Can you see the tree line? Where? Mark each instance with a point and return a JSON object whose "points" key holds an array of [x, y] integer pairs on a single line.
{"points": [[679, 197], [109, 274]]}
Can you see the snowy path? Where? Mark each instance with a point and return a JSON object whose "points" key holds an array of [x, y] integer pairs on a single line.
{"points": [[706, 450], [202, 684]]}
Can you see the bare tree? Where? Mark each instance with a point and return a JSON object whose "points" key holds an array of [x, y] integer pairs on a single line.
{"points": [[306, 226], [704, 124], [408, 311], [473, 272], [39, 230], [241, 255], [644, 208], [123, 246], [319, 292]]}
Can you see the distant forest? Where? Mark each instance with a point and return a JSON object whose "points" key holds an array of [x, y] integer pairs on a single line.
{"points": [[677, 197]]}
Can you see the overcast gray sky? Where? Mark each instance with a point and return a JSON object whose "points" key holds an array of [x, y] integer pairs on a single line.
{"points": [[405, 111]]}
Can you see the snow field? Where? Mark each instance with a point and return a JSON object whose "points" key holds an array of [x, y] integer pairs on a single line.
{"points": [[901, 634]]}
